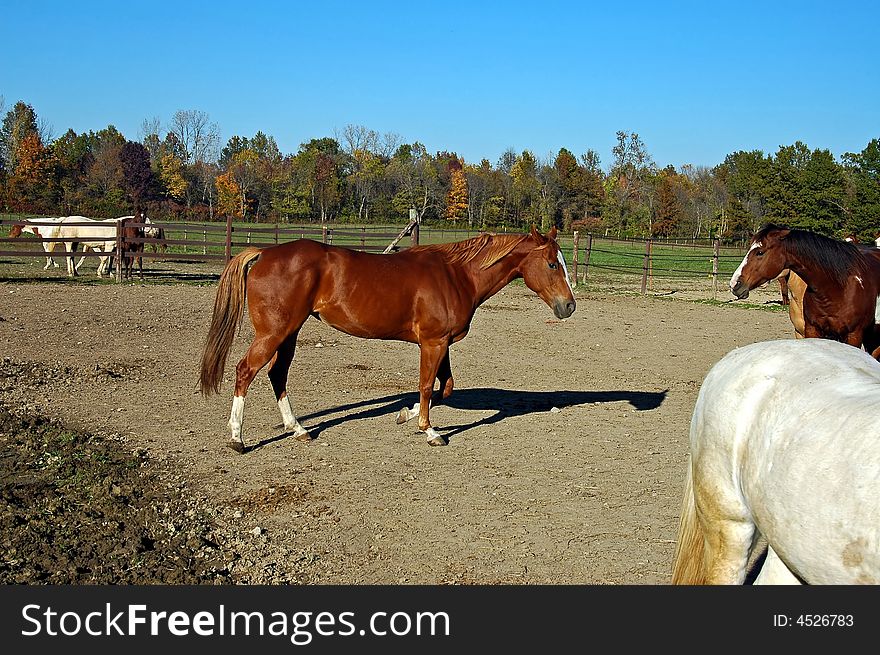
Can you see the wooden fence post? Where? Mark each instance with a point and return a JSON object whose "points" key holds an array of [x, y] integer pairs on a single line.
{"points": [[574, 260], [414, 235], [645, 265], [716, 247], [119, 246], [323, 234], [228, 237], [587, 256]]}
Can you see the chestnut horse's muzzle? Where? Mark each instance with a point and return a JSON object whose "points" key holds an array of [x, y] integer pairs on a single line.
{"points": [[563, 308]]}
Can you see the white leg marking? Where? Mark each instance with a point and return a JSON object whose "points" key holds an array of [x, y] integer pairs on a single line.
{"points": [[432, 434], [407, 414], [235, 418], [290, 422], [734, 279], [412, 413]]}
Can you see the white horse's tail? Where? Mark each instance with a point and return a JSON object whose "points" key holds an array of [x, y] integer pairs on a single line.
{"points": [[689, 561]]}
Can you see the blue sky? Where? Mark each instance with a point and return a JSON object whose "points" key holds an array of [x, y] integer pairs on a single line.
{"points": [[696, 80]]}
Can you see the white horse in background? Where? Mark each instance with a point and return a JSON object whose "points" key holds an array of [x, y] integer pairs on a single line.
{"points": [[784, 444], [43, 228], [47, 230], [98, 238], [98, 235]]}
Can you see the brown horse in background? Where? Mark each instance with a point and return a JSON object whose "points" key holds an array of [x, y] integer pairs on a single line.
{"points": [[793, 288], [425, 295], [841, 282], [132, 245]]}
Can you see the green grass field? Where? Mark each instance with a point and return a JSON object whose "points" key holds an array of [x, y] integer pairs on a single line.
{"points": [[611, 262]]}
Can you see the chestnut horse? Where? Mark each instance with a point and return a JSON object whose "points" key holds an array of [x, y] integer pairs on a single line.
{"points": [[785, 445], [425, 295], [842, 282]]}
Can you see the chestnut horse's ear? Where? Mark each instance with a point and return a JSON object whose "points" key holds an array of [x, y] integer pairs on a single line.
{"points": [[552, 233], [784, 232], [534, 233]]}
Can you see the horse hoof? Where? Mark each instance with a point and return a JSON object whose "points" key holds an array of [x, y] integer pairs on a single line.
{"points": [[402, 416], [437, 441], [303, 436], [236, 445]]}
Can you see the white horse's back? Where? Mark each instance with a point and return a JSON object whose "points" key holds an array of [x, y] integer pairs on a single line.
{"points": [[90, 234], [785, 442]]}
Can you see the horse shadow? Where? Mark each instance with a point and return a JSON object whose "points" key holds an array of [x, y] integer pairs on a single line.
{"points": [[506, 403]]}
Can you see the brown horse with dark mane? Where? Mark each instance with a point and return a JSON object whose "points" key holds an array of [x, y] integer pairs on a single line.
{"points": [[132, 245], [842, 282], [425, 295]]}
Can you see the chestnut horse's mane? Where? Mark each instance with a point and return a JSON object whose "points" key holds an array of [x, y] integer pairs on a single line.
{"points": [[492, 247]]}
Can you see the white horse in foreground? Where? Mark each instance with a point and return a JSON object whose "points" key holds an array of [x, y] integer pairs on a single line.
{"points": [[784, 443]]}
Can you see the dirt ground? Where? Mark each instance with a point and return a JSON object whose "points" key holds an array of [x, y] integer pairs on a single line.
{"points": [[565, 463]]}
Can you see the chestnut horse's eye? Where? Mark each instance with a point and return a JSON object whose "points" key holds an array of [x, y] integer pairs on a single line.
{"points": [[553, 265], [759, 253]]}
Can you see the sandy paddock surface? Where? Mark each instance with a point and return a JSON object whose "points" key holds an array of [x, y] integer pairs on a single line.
{"points": [[567, 439]]}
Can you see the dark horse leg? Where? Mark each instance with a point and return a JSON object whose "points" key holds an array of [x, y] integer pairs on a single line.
{"points": [[444, 376], [278, 370], [433, 365], [871, 341]]}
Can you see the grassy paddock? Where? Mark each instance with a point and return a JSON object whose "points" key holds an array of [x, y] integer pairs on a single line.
{"points": [[615, 265]]}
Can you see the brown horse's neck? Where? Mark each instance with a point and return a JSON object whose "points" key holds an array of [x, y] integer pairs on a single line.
{"points": [[818, 281], [489, 281]]}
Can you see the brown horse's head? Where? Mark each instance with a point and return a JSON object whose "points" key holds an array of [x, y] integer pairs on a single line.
{"points": [[16, 230], [764, 261], [544, 272]]}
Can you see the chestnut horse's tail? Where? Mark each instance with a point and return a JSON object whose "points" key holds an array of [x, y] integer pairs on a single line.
{"points": [[689, 561], [228, 312]]}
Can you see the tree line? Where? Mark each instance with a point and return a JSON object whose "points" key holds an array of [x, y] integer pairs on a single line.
{"points": [[180, 171]]}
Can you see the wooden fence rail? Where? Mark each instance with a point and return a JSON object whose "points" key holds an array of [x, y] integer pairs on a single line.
{"points": [[591, 255]]}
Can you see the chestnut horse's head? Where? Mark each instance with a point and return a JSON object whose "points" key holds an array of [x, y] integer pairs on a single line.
{"points": [[544, 272], [764, 261], [16, 230]]}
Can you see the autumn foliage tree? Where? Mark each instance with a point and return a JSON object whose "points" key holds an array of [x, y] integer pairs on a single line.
{"points": [[30, 186], [228, 195], [19, 124], [457, 196], [668, 211]]}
